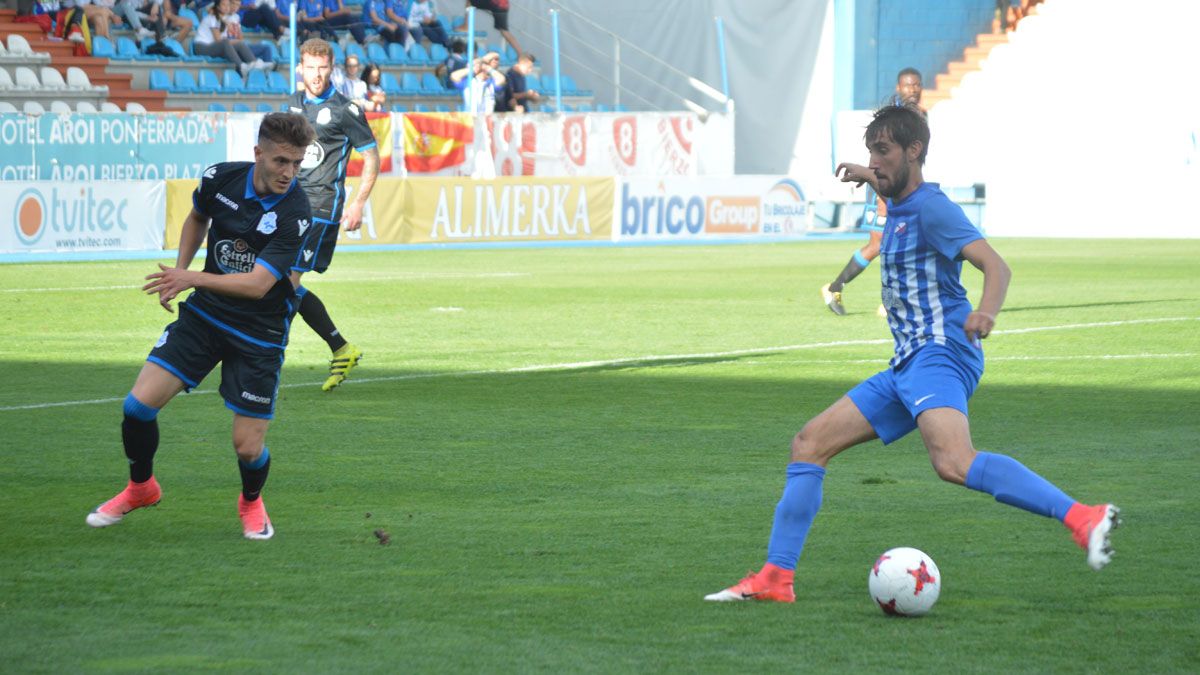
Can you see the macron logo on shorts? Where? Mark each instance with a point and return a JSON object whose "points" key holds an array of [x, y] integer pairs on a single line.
{"points": [[307, 256], [266, 400]]}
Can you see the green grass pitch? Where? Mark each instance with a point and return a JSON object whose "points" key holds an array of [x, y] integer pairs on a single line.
{"points": [[570, 447]]}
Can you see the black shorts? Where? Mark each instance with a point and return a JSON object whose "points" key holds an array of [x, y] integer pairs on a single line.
{"points": [[191, 347], [499, 16], [317, 251]]}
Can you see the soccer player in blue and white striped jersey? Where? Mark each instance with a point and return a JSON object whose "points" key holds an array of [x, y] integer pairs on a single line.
{"points": [[936, 367]]}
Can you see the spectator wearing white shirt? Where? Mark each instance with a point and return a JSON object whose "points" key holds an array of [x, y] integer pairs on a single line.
{"points": [[211, 39]]}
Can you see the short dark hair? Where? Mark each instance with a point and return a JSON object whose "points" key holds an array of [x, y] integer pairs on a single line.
{"points": [[527, 55], [905, 124], [457, 46], [286, 128], [908, 71]]}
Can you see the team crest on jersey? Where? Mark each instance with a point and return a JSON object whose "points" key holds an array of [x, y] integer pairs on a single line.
{"points": [[266, 224], [323, 116], [313, 156], [901, 226], [353, 109], [234, 257]]}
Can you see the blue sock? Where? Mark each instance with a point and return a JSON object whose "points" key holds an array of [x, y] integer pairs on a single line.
{"points": [[1011, 482], [795, 513]]}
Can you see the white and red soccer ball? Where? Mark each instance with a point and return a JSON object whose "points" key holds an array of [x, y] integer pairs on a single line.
{"points": [[904, 582]]}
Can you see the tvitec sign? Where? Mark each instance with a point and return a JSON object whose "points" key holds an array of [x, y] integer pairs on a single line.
{"points": [[704, 207]]}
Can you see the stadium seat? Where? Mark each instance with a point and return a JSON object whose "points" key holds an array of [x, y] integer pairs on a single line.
{"points": [[410, 84], [276, 84], [421, 108], [3, 49], [396, 54], [186, 13], [27, 79], [339, 55], [185, 83], [418, 56], [6, 107], [431, 85], [52, 79], [535, 83], [19, 46], [570, 85], [77, 78], [102, 47], [256, 82], [284, 107], [126, 50], [620, 107], [442, 108], [509, 54], [390, 86], [600, 107], [357, 50], [438, 53], [264, 108], [32, 108], [134, 107], [60, 108], [109, 107], [142, 55], [399, 108], [6, 82], [231, 83], [182, 53], [241, 107], [159, 80], [584, 108], [208, 83], [85, 107], [217, 107], [377, 54]]}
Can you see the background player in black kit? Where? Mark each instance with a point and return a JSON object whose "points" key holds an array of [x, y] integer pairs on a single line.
{"points": [[252, 214], [340, 125]]}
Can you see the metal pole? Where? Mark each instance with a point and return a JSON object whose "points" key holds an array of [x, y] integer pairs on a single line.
{"points": [[470, 79], [616, 71], [557, 71], [291, 43], [721, 55]]}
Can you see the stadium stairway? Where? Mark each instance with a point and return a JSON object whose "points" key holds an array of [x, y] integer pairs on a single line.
{"points": [[61, 53], [973, 56]]}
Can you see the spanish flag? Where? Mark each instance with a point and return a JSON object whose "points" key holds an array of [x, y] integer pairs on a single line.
{"points": [[436, 141], [381, 126]]}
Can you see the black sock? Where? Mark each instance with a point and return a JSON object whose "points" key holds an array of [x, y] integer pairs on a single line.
{"points": [[851, 270], [317, 318], [141, 442], [254, 476]]}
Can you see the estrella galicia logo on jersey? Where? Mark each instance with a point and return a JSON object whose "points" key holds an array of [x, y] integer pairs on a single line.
{"points": [[234, 257], [266, 224], [324, 116], [313, 156], [162, 340]]}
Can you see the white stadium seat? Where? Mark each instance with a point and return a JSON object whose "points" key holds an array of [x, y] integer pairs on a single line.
{"points": [[33, 108], [52, 79], [85, 107], [19, 46], [109, 107], [5, 80], [6, 107], [77, 78], [26, 78], [60, 107], [135, 107], [3, 49]]}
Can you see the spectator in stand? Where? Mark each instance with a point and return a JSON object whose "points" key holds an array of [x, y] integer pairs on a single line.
{"points": [[40, 14], [499, 11], [396, 11], [479, 91], [347, 80], [517, 96], [337, 15], [375, 96], [232, 21], [212, 39], [260, 14], [422, 22], [310, 20], [374, 13], [99, 18], [124, 11], [161, 15], [455, 61]]}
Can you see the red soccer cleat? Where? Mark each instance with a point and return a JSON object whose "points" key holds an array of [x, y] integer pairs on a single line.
{"points": [[770, 584], [1090, 527], [134, 496], [255, 523]]}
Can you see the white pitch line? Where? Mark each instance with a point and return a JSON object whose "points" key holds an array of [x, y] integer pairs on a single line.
{"points": [[990, 359], [648, 359], [334, 280]]}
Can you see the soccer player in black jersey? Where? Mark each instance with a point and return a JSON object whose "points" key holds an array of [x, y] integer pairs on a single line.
{"points": [[252, 214], [340, 124]]}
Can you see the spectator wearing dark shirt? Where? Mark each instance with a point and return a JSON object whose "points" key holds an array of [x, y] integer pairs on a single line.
{"points": [[258, 14], [337, 15], [374, 13], [455, 61], [517, 96]]}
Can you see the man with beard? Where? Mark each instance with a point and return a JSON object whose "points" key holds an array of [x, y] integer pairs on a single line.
{"points": [[936, 367]]}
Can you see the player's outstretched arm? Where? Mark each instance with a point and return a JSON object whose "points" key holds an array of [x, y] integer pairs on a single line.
{"points": [[856, 173], [169, 282], [195, 228], [996, 276], [352, 218]]}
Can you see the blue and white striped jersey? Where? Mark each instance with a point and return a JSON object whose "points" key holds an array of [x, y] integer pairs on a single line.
{"points": [[922, 264]]}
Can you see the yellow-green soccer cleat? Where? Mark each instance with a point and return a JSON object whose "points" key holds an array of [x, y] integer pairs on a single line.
{"points": [[340, 365]]}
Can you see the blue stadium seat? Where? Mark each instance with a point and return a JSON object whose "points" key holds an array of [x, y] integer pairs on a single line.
{"points": [[174, 46], [231, 83], [159, 80], [431, 85], [276, 83], [377, 54], [569, 84], [241, 107], [284, 107], [184, 82], [273, 54], [396, 53], [264, 108], [208, 83], [126, 49], [600, 107], [535, 83], [441, 107], [620, 107], [102, 47], [438, 53], [217, 107], [421, 108], [584, 107], [390, 86], [357, 50], [417, 55], [256, 82], [399, 108], [143, 56], [339, 55], [509, 55], [410, 85], [186, 13]]}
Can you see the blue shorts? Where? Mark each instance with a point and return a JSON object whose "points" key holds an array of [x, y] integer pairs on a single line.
{"points": [[933, 377]]}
